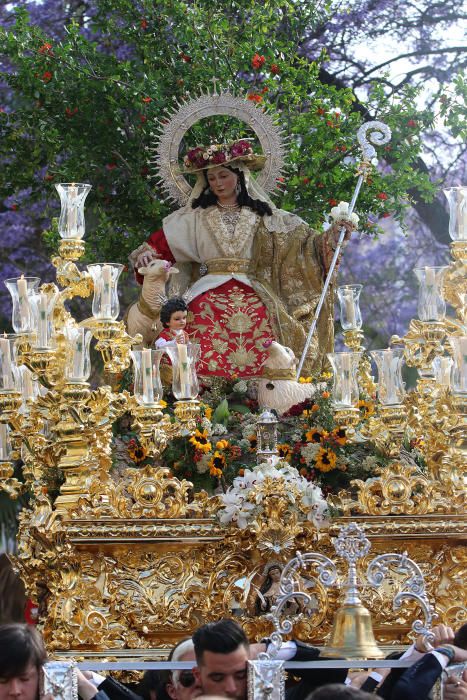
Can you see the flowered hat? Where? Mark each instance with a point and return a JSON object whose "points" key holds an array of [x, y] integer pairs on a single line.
{"points": [[203, 157]]}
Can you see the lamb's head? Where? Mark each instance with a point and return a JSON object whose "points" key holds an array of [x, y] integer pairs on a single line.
{"points": [[158, 269], [279, 356]]}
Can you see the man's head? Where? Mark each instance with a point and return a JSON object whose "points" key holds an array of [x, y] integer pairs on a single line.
{"points": [[22, 653], [222, 652], [460, 638], [182, 684]]}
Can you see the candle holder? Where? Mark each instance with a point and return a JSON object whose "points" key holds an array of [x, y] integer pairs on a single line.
{"points": [[457, 199], [78, 361], [391, 388], [71, 226], [185, 384], [431, 304], [147, 386], [350, 314], [353, 339], [105, 303], [9, 372], [386, 429], [22, 290], [345, 392], [43, 306]]}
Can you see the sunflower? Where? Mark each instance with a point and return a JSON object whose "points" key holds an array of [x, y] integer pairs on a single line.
{"points": [[216, 464], [314, 435], [339, 436], [222, 444], [367, 408], [138, 453], [200, 441], [325, 460], [285, 451], [207, 410], [253, 442]]}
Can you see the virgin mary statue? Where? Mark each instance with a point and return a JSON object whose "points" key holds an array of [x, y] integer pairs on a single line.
{"points": [[252, 272]]}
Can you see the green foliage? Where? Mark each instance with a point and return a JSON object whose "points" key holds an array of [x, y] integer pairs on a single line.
{"points": [[87, 111], [454, 107]]}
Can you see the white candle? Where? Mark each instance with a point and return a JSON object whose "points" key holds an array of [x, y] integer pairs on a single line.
{"points": [[184, 373], [461, 202], [72, 220], [43, 330], [106, 297], [23, 302], [78, 353], [148, 386], [388, 378], [4, 442], [462, 364], [7, 372], [346, 380], [430, 277], [350, 307], [28, 386], [431, 307], [445, 364]]}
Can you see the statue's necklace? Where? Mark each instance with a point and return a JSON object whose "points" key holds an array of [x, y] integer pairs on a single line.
{"points": [[229, 207]]}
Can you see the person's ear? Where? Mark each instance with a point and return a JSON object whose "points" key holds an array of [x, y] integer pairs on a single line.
{"points": [[197, 674], [171, 692]]}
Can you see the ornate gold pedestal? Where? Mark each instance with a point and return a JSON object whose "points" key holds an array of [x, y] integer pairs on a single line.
{"points": [[146, 563]]}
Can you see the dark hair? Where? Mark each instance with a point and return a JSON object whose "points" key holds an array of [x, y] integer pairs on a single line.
{"points": [[220, 637], [20, 645], [171, 306], [460, 638], [339, 691], [151, 680], [207, 198]]}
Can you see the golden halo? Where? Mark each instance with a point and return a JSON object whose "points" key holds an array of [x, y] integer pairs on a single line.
{"points": [[269, 133]]}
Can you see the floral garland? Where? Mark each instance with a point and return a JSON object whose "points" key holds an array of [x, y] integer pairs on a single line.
{"points": [[216, 154], [223, 446]]}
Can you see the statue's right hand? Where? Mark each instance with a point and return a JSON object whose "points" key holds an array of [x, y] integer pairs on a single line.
{"points": [[145, 258], [142, 256]]}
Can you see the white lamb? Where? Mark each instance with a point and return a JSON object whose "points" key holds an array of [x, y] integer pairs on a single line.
{"points": [[281, 394], [138, 320]]}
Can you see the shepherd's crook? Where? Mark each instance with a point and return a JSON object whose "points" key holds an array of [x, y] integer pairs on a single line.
{"points": [[379, 135]]}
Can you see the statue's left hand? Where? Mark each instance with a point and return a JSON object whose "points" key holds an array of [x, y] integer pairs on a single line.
{"points": [[334, 230]]}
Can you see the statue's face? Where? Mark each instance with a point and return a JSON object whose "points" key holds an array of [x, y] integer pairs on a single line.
{"points": [[222, 182], [275, 573]]}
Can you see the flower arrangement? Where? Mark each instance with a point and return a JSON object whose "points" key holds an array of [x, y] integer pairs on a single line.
{"points": [[216, 154], [245, 500], [222, 448], [341, 213]]}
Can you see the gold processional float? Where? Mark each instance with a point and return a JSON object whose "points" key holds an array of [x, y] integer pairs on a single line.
{"points": [[121, 566]]}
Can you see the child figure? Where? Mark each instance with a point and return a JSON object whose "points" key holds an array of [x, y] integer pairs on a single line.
{"points": [[173, 317]]}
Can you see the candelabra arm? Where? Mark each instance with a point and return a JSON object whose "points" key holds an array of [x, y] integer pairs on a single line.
{"points": [[113, 342], [413, 587]]}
